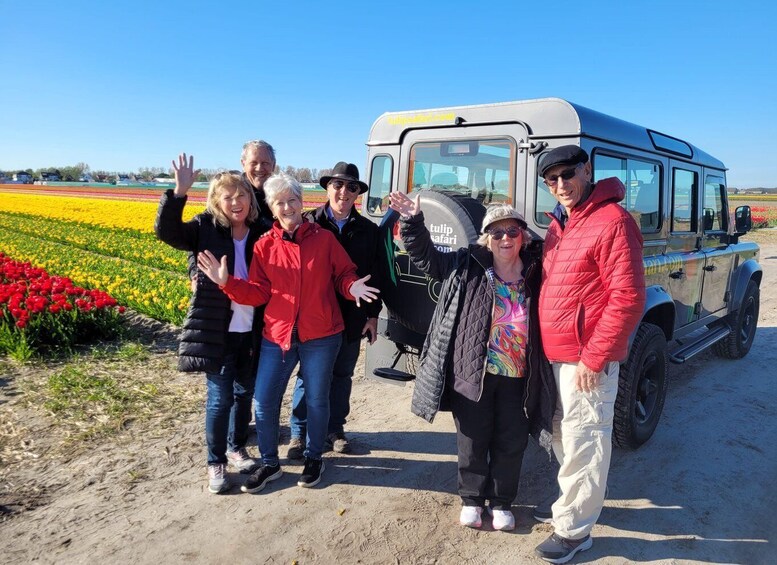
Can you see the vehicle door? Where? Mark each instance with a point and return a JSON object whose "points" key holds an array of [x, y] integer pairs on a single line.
{"points": [[469, 168], [718, 259], [683, 250]]}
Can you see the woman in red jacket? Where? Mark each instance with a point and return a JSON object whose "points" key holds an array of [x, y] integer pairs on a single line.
{"points": [[296, 270]]}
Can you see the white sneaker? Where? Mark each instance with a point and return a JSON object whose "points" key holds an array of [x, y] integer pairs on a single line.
{"points": [[217, 478], [241, 461], [502, 520], [470, 516]]}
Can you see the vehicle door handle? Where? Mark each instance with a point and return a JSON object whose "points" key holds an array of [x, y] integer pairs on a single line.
{"points": [[677, 274], [710, 268]]}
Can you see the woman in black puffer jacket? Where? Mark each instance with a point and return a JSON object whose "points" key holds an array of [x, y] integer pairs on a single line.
{"points": [[218, 336], [482, 357]]}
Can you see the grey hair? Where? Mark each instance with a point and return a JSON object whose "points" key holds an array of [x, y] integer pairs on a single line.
{"points": [[278, 184], [258, 143]]}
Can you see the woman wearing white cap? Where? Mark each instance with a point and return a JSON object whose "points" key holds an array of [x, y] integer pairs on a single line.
{"points": [[482, 358]]}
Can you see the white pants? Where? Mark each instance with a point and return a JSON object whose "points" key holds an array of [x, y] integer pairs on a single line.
{"points": [[582, 442]]}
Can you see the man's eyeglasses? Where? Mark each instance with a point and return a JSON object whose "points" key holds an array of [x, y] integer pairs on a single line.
{"points": [[566, 174], [498, 233], [352, 187]]}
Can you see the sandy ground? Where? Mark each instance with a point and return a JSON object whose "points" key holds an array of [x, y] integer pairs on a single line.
{"points": [[702, 490]]}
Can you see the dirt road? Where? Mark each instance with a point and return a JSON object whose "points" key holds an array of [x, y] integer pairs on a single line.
{"points": [[703, 490]]}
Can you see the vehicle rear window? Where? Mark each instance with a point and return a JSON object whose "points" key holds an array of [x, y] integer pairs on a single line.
{"points": [[480, 168]]}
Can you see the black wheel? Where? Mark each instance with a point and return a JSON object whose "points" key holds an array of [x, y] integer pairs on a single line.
{"points": [[743, 324], [641, 388]]}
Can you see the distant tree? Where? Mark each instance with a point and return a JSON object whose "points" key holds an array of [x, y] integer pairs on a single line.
{"points": [[324, 173], [314, 175], [202, 177], [291, 171], [303, 175]]}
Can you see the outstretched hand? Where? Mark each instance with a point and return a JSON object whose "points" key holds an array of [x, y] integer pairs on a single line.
{"points": [[403, 204], [215, 270], [184, 174], [360, 291]]}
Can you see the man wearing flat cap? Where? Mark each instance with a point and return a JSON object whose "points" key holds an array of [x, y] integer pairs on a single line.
{"points": [[592, 298], [361, 241]]}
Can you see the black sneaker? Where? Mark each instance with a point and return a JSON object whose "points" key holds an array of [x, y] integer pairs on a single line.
{"points": [[556, 549], [259, 480], [311, 474]]}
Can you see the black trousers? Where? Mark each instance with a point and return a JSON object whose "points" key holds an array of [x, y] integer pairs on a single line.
{"points": [[491, 435]]}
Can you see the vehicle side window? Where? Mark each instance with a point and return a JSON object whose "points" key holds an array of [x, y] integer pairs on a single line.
{"points": [[481, 169], [380, 185], [684, 207], [643, 186], [713, 218]]}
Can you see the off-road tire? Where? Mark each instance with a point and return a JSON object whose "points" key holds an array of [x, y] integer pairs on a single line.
{"points": [[641, 388], [743, 325]]}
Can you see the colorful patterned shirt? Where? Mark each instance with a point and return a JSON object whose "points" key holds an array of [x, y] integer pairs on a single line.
{"points": [[509, 328]]}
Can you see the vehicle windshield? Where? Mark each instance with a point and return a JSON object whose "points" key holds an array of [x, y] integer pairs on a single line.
{"points": [[479, 168]]}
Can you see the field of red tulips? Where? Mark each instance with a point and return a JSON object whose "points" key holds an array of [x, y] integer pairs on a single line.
{"points": [[40, 313]]}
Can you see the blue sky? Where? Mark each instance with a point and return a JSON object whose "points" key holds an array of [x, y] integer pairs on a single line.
{"points": [[123, 85]]}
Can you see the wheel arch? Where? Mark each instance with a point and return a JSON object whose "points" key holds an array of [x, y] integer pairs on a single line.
{"points": [[747, 271], [659, 311]]}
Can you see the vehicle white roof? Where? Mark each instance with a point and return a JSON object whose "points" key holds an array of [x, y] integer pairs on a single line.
{"points": [[544, 118]]}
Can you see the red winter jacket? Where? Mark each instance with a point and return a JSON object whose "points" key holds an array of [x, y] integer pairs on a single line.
{"points": [[593, 281], [297, 280]]}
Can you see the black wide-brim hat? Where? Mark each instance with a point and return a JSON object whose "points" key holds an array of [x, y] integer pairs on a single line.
{"points": [[345, 172]]}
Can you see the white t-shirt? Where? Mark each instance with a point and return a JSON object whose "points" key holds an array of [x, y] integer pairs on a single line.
{"points": [[242, 315]]}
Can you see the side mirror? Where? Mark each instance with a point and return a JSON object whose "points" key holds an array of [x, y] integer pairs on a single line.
{"points": [[743, 222]]}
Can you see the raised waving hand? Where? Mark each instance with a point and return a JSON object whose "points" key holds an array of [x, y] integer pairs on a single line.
{"points": [[215, 269], [184, 174], [405, 205]]}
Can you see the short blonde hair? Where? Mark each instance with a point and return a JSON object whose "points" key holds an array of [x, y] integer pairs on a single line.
{"points": [[220, 184]]}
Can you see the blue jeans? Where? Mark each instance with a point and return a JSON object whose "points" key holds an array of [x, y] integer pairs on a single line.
{"points": [[228, 404], [339, 393], [316, 358]]}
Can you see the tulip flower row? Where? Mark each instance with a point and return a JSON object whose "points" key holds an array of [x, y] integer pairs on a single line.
{"points": [[160, 294], [40, 313], [134, 215], [128, 244]]}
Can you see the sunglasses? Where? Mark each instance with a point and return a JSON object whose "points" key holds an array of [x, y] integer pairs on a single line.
{"points": [[566, 174], [352, 187], [498, 233]]}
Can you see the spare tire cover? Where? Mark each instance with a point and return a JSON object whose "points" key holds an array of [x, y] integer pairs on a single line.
{"points": [[453, 220]]}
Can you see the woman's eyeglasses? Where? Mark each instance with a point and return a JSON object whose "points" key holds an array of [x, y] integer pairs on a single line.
{"points": [[498, 233], [352, 187], [566, 174]]}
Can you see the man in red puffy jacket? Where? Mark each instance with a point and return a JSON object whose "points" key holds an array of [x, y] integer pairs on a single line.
{"points": [[592, 297]]}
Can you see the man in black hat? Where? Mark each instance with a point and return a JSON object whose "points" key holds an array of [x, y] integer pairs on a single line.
{"points": [[592, 298], [359, 237]]}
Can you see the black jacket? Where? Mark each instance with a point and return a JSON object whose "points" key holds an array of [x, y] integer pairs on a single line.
{"points": [[206, 325], [361, 240], [454, 353]]}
